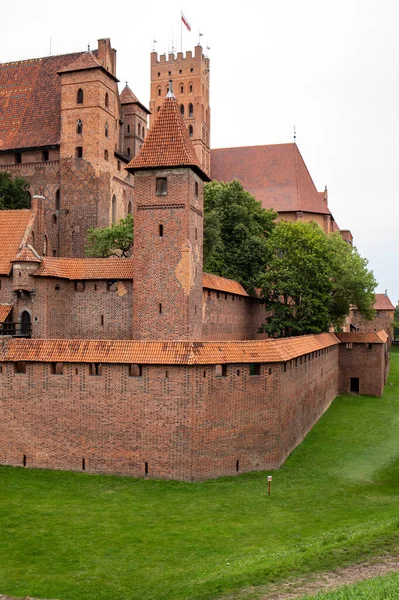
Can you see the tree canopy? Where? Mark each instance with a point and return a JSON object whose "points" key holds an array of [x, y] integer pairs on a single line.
{"points": [[14, 193], [312, 279], [115, 240], [236, 228]]}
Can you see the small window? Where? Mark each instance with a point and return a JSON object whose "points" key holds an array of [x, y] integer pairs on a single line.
{"points": [[135, 370], [196, 233], [169, 72], [79, 127], [159, 91], [182, 110], [159, 74], [181, 86], [111, 285], [128, 151], [349, 345], [118, 165], [79, 152], [158, 109], [238, 372], [79, 286], [113, 209], [106, 102], [96, 369], [128, 128], [57, 200], [106, 130], [221, 370], [54, 219], [45, 155], [57, 368], [254, 369], [160, 230], [190, 111], [191, 70], [129, 208], [102, 320], [190, 131], [105, 154], [79, 98], [369, 346], [161, 186], [191, 88], [18, 158], [20, 367]]}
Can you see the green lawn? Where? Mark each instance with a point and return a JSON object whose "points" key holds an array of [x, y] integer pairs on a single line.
{"points": [[378, 588], [75, 536]]}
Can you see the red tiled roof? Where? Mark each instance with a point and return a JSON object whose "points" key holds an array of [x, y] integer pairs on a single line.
{"points": [[382, 302], [168, 143], [13, 224], [27, 254], [164, 352], [5, 310], [276, 175], [86, 268], [127, 97], [367, 337], [30, 101], [84, 61], [214, 282]]}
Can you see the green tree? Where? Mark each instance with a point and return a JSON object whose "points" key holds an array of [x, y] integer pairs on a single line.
{"points": [[14, 193], [236, 227], [115, 240], [312, 280]]}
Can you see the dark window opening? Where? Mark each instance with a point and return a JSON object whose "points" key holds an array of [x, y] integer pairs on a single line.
{"points": [[270, 371], [204, 374], [128, 151], [118, 165], [128, 128], [196, 234], [355, 385], [79, 152], [167, 374], [161, 186], [18, 158], [191, 70], [106, 130], [181, 87], [135, 370], [161, 230], [182, 110], [160, 308], [285, 367], [83, 464], [196, 189], [24, 460], [238, 372], [146, 468], [57, 200], [79, 97], [191, 89], [54, 219], [102, 320], [106, 99], [79, 127], [20, 367], [369, 346], [96, 369], [237, 465], [129, 208], [224, 370], [57, 368], [254, 369], [79, 286], [45, 155], [159, 91], [113, 209], [190, 110]]}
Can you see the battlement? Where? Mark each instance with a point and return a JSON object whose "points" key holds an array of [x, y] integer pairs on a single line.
{"points": [[198, 56]]}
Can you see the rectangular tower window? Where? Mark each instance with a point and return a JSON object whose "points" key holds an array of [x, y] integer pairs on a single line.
{"points": [[160, 309], [160, 230], [161, 186], [196, 189], [45, 155], [254, 369], [79, 152], [18, 158]]}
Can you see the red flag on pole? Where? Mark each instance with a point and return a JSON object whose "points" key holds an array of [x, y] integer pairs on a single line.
{"points": [[185, 21]]}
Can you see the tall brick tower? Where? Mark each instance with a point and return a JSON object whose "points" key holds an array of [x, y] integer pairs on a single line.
{"points": [[168, 241], [190, 76]]}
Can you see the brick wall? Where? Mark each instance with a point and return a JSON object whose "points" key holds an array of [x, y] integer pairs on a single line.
{"points": [[185, 422], [231, 317], [382, 320], [367, 362]]}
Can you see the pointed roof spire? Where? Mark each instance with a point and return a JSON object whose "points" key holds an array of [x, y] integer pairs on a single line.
{"points": [[127, 97], [168, 143]]}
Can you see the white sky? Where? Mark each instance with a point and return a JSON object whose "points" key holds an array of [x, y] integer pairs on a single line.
{"points": [[329, 67]]}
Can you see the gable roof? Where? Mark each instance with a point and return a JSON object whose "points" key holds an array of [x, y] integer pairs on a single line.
{"points": [[30, 102], [86, 268], [164, 352], [367, 337], [168, 143], [275, 174], [382, 302], [222, 284], [127, 97], [13, 224], [5, 310], [84, 61]]}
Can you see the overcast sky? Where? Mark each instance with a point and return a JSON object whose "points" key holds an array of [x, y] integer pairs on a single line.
{"points": [[330, 68]]}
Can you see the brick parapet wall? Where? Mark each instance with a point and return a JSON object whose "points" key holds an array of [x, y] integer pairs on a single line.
{"points": [[228, 316], [382, 320], [367, 362]]}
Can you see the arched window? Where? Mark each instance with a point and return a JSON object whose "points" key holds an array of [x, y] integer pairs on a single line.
{"points": [[54, 219], [182, 110], [106, 99], [106, 130], [190, 110], [129, 208], [25, 324], [113, 216], [128, 151], [138, 128], [79, 96], [159, 91], [181, 88], [79, 127], [57, 200], [143, 132], [190, 87], [190, 131], [128, 128]]}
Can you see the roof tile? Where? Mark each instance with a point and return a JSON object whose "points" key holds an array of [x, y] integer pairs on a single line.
{"points": [[13, 224], [86, 268], [382, 302], [214, 282], [5, 310], [367, 337]]}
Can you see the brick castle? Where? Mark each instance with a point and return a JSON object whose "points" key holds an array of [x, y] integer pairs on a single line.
{"points": [[148, 366]]}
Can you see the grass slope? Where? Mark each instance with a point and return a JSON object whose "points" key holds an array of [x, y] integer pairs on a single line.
{"points": [[75, 536], [378, 588]]}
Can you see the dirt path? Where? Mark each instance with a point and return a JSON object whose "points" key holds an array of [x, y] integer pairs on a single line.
{"points": [[320, 583], [329, 581]]}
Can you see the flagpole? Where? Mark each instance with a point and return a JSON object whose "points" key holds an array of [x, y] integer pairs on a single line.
{"points": [[181, 30]]}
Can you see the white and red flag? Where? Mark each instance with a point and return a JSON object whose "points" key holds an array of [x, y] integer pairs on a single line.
{"points": [[185, 21]]}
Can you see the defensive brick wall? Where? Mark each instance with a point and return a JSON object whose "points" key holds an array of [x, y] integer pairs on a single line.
{"points": [[368, 362], [184, 422], [231, 317]]}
